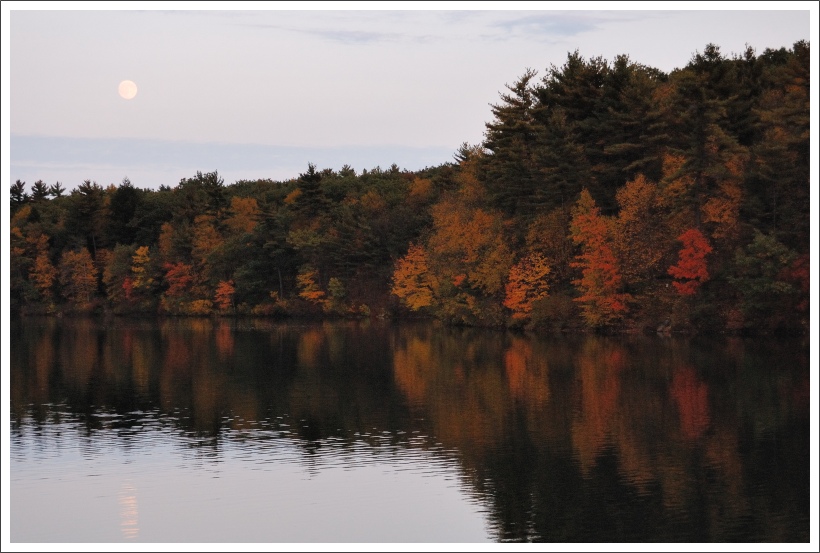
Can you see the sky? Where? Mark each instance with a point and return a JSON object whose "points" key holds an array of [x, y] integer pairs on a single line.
{"points": [[261, 93]]}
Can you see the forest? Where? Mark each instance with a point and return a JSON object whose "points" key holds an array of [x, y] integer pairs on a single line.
{"points": [[606, 197]]}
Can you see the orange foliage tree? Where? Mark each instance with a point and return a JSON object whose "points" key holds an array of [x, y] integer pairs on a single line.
{"points": [[224, 294], [167, 241], [469, 255], [691, 267], [640, 235], [43, 273], [244, 215], [412, 281], [601, 299], [526, 284], [722, 209], [78, 276], [308, 282], [206, 237]]}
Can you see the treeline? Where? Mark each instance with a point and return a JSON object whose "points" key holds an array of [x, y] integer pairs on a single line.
{"points": [[607, 196]]}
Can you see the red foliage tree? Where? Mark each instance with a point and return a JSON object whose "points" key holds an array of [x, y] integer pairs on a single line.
{"points": [[179, 277], [691, 268]]}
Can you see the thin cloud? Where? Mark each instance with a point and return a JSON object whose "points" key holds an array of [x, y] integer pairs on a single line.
{"points": [[334, 35], [348, 37], [549, 26]]}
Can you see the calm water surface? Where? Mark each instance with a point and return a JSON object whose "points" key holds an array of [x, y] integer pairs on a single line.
{"points": [[258, 431]]}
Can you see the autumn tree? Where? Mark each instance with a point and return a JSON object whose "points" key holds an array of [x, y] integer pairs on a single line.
{"points": [[308, 283], [602, 301], [471, 242], [721, 210], [179, 277], [169, 242], [639, 233], [43, 274], [78, 276], [470, 257], [21, 258], [413, 282], [244, 214], [144, 273], [691, 270], [206, 237], [223, 297], [526, 284]]}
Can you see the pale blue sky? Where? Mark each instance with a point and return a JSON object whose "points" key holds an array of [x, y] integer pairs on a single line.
{"points": [[259, 94]]}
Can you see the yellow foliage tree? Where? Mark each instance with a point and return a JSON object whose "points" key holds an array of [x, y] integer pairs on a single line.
{"points": [[139, 268]]}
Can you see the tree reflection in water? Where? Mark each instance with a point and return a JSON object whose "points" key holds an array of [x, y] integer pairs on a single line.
{"points": [[565, 439]]}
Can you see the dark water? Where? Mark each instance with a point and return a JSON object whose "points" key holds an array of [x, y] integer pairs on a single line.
{"points": [[255, 431]]}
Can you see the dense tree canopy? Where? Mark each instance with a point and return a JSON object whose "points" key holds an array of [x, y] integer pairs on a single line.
{"points": [[606, 195]]}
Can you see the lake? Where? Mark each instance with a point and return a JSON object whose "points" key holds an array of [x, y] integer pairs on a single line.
{"points": [[206, 430]]}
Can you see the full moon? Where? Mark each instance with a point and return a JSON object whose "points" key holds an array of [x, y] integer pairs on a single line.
{"points": [[127, 89]]}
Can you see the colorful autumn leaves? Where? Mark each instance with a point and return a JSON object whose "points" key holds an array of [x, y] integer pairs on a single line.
{"points": [[466, 270]]}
